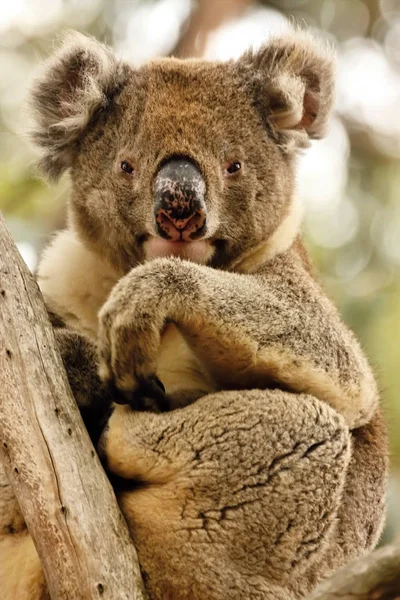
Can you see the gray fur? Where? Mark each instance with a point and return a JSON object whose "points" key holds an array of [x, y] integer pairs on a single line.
{"points": [[75, 84]]}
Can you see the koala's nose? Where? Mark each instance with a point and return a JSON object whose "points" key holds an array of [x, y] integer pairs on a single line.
{"points": [[179, 208]]}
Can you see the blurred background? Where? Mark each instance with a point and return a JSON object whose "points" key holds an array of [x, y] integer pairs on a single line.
{"points": [[349, 183]]}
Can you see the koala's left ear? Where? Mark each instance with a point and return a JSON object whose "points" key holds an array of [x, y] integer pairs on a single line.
{"points": [[292, 82], [77, 82]]}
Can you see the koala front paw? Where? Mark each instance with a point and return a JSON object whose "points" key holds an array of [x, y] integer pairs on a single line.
{"points": [[130, 328], [150, 395]]}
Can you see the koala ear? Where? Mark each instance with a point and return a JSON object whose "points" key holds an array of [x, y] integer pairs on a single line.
{"points": [[75, 84], [293, 80]]}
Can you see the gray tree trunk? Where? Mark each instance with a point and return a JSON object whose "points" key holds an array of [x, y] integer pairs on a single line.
{"points": [[64, 495], [373, 577]]}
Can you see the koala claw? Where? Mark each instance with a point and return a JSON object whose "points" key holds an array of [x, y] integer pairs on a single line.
{"points": [[149, 396]]}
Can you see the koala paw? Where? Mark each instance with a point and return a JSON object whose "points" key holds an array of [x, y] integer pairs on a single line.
{"points": [[131, 322], [149, 396]]}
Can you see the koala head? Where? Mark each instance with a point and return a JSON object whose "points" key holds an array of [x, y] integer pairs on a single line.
{"points": [[181, 157]]}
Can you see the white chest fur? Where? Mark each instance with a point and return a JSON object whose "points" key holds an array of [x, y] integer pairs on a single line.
{"points": [[75, 283]]}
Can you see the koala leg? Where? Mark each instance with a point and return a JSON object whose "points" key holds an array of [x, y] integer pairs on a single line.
{"points": [[234, 496]]}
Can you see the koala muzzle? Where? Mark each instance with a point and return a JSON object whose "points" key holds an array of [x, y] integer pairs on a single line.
{"points": [[179, 209]]}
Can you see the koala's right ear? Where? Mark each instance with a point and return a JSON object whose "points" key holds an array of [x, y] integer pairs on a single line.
{"points": [[292, 81], [75, 84]]}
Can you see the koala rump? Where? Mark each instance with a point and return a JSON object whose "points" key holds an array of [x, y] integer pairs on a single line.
{"points": [[253, 494]]}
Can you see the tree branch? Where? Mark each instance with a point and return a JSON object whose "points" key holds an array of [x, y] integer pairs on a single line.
{"points": [[374, 577], [65, 497], [207, 17]]}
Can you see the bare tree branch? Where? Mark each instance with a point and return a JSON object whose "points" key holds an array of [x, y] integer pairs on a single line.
{"points": [[64, 495], [374, 577], [206, 18]]}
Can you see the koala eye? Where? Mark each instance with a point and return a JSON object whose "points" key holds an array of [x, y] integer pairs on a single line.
{"points": [[127, 167], [232, 168]]}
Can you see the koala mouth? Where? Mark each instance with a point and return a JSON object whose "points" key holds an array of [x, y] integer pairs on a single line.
{"points": [[198, 251]]}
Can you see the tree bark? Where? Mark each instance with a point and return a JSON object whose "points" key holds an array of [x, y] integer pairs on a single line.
{"points": [[207, 17], [374, 577], [64, 495]]}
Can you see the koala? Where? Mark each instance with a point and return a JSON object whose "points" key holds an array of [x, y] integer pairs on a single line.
{"points": [[254, 461], [183, 225]]}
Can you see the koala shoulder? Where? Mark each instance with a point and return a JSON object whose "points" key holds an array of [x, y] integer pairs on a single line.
{"points": [[74, 281]]}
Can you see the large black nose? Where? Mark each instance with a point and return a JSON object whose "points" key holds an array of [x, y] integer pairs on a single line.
{"points": [[179, 206]]}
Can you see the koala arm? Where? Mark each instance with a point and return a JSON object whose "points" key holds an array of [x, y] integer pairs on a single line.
{"points": [[79, 355], [274, 328]]}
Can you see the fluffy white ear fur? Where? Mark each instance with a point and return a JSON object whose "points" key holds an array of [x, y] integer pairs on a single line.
{"points": [[75, 83], [295, 77]]}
